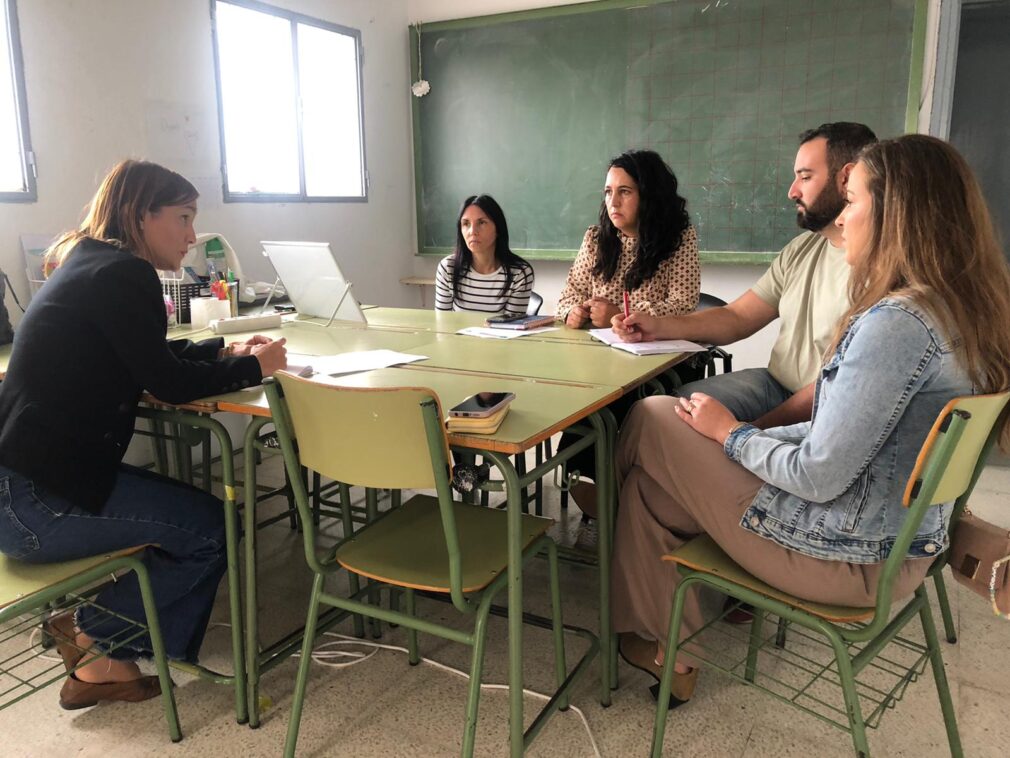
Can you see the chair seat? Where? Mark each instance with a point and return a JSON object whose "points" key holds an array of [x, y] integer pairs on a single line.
{"points": [[18, 579], [407, 547], [702, 554]]}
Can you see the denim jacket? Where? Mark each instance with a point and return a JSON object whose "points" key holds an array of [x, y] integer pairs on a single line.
{"points": [[835, 483]]}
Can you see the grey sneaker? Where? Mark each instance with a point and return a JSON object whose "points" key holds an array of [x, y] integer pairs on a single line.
{"points": [[587, 536]]}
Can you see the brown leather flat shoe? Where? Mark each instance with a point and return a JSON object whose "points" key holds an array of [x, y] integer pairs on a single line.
{"points": [[77, 694], [641, 653], [63, 630]]}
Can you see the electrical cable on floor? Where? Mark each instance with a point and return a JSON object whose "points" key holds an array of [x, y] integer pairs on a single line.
{"points": [[37, 633], [322, 656], [325, 657]]}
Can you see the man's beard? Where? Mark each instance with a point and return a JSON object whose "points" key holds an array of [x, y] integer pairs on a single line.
{"points": [[824, 211]]}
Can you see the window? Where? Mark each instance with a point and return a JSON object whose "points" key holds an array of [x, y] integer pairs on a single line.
{"points": [[289, 89], [17, 162]]}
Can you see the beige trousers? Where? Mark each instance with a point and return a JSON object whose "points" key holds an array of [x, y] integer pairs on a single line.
{"points": [[676, 484]]}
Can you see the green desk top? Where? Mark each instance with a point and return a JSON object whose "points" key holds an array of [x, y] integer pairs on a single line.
{"points": [[539, 410], [313, 338], [447, 322], [558, 361]]}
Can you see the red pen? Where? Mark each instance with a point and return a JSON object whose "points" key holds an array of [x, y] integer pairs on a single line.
{"points": [[627, 309]]}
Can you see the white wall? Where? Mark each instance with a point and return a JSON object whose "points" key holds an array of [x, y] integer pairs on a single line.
{"points": [[109, 79]]}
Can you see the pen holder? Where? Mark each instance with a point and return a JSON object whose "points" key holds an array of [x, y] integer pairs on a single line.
{"points": [[203, 310]]}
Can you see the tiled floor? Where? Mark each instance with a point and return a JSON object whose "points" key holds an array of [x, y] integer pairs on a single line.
{"points": [[381, 706]]}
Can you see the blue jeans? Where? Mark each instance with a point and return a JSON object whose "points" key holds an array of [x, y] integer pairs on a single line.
{"points": [[185, 567], [749, 394]]}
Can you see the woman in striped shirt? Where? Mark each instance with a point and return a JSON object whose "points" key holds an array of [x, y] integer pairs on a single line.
{"points": [[483, 274]]}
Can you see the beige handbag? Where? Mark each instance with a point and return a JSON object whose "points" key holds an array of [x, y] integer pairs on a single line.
{"points": [[980, 559]]}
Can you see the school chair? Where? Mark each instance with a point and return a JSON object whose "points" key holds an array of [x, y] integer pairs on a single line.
{"points": [[960, 505], [29, 592], [534, 305], [395, 438], [859, 650], [706, 301]]}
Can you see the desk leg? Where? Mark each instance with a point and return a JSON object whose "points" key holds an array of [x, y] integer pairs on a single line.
{"points": [[604, 498], [513, 494], [252, 647], [232, 539], [181, 422]]}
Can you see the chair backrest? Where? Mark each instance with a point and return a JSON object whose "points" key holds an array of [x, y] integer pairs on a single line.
{"points": [[534, 305], [949, 464], [706, 301], [384, 438], [367, 437]]}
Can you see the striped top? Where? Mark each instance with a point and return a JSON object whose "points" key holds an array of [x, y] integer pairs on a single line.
{"points": [[483, 292]]}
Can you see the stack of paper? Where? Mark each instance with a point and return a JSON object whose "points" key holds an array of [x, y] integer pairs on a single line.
{"points": [[503, 334], [656, 347]]}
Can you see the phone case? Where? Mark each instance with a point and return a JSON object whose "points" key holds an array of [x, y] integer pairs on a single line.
{"points": [[488, 425]]}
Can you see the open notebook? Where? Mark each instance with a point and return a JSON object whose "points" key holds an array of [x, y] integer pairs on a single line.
{"points": [[656, 347]]}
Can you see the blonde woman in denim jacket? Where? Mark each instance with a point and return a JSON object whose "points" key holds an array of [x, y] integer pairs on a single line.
{"points": [[814, 508]]}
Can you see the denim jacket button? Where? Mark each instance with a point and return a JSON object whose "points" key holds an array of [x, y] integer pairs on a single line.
{"points": [[929, 547], [755, 521]]}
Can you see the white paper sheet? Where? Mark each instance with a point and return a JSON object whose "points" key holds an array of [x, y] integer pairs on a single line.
{"points": [[503, 334], [349, 363], [656, 347]]}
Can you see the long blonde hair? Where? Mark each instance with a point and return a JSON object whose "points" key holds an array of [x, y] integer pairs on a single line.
{"points": [[131, 189], [933, 241]]}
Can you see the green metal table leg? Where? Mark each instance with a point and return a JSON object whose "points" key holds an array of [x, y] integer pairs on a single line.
{"points": [[252, 648], [205, 472], [158, 447], [605, 426], [372, 512], [513, 497]]}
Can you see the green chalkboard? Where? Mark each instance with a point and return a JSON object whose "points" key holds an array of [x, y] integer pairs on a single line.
{"points": [[529, 107]]}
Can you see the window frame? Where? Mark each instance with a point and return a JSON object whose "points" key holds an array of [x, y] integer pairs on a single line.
{"points": [[28, 164], [294, 19]]}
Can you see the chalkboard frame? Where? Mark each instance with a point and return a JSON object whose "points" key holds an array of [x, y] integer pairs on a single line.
{"points": [[732, 257]]}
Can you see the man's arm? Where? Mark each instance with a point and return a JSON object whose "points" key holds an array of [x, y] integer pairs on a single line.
{"points": [[718, 326], [794, 410]]}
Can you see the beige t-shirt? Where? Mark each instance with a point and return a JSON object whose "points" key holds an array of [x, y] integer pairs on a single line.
{"points": [[808, 283]]}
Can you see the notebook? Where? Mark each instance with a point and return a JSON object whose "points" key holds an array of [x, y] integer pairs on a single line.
{"points": [[655, 347]]}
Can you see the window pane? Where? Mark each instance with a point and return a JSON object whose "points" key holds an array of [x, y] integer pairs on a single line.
{"points": [[257, 100], [328, 73], [12, 177]]}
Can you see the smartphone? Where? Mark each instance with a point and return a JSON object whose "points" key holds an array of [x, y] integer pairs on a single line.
{"points": [[482, 405], [505, 318]]}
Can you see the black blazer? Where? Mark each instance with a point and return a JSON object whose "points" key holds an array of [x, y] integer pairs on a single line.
{"points": [[91, 340]]}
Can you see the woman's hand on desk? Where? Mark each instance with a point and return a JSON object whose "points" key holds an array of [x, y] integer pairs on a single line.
{"points": [[706, 415], [601, 311], [236, 349], [577, 317], [272, 355]]}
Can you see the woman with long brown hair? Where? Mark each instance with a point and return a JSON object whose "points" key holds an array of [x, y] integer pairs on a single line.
{"points": [[91, 341], [813, 508]]}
